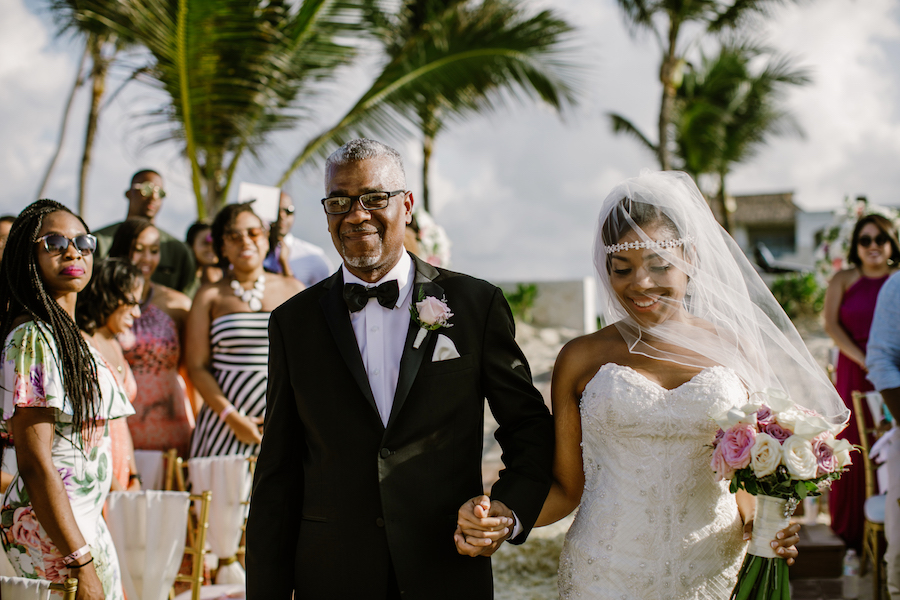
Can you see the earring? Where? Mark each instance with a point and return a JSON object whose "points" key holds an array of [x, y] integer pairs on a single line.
{"points": [[689, 290]]}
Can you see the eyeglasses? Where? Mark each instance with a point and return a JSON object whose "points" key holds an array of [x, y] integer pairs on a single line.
{"points": [[237, 235], [147, 189], [338, 205], [866, 240], [288, 210], [54, 243], [129, 302]]}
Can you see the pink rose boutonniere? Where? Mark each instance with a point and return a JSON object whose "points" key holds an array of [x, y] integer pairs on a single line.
{"points": [[429, 314]]}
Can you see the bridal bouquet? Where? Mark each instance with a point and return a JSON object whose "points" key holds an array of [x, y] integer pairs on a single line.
{"points": [[781, 453]]}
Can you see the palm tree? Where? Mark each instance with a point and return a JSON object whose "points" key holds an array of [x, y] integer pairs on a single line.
{"points": [[450, 59], [102, 45], [232, 69], [665, 20], [726, 111]]}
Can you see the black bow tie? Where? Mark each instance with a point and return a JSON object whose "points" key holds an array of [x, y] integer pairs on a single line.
{"points": [[356, 296]]}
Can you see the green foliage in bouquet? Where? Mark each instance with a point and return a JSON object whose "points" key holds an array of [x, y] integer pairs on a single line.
{"points": [[780, 485]]}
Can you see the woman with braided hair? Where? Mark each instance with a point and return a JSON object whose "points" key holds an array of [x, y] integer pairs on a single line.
{"points": [[57, 396]]}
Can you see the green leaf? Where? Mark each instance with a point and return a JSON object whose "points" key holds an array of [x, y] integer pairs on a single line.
{"points": [[801, 489]]}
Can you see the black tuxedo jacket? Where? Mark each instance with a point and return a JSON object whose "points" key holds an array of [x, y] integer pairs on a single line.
{"points": [[339, 499]]}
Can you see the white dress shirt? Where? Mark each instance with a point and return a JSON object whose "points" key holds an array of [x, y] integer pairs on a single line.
{"points": [[381, 333]]}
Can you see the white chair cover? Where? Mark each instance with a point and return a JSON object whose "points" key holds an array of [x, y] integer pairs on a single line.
{"points": [[20, 588], [148, 529], [151, 465], [228, 477], [231, 591]]}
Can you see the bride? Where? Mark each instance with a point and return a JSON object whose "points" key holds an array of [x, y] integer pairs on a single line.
{"points": [[694, 331]]}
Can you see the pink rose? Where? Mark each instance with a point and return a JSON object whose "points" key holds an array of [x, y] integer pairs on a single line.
{"points": [[776, 431], [433, 311], [826, 461], [764, 416], [25, 529], [736, 445], [720, 466]]}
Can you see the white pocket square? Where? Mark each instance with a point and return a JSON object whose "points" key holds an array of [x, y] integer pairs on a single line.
{"points": [[444, 349]]}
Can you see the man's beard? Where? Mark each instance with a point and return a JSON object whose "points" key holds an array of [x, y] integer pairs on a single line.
{"points": [[366, 261]]}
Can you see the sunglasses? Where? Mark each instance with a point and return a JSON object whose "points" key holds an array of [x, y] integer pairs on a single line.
{"points": [[866, 240], [288, 210], [237, 235], [54, 243], [147, 189]]}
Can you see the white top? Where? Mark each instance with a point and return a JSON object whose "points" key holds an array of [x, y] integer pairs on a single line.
{"points": [[381, 334]]}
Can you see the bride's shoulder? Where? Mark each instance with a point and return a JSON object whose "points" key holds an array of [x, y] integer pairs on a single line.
{"points": [[583, 356]]}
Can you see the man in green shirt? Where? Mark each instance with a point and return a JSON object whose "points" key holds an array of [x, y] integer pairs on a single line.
{"points": [[176, 263]]}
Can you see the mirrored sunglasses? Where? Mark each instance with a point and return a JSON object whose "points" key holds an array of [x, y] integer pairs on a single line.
{"points": [[288, 210], [866, 240], [147, 189], [57, 244]]}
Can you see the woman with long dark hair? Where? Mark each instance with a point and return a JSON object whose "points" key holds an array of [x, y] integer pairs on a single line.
{"points": [[849, 307], [57, 399]]}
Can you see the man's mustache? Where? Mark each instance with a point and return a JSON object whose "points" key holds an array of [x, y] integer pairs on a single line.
{"points": [[360, 230]]}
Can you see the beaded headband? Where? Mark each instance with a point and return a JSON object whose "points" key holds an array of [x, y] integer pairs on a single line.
{"points": [[666, 244]]}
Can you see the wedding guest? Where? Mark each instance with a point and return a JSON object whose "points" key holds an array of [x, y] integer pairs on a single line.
{"points": [[375, 422], [849, 305], [199, 240], [292, 256], [6, 222], [693, 331], [56, 396], [164, 416], [227, 346], [105, 309], [883, 362], [145, 199]]}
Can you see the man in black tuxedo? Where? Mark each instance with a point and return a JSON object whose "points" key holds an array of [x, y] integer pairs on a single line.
{"points": [[374, 425]]}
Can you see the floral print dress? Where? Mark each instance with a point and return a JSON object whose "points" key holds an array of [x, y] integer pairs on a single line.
{"points": [[30, 377]]}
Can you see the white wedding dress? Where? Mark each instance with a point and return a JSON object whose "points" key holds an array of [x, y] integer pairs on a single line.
{"points": [[653, 523]]}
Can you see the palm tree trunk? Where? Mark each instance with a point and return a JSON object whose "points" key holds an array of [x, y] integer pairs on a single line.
{"points": [[727, 221], [79, 81], [98, 85], [430, 126], [427, 147], [667, 104]]}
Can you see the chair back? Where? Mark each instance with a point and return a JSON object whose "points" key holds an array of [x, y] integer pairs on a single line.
{"points": [[148, 530], [21, 588], [864, 432], [196, 544]]}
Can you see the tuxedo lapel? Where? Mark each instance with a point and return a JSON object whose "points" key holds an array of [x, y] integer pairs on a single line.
{"points": [[412, 358], [339, 322]]}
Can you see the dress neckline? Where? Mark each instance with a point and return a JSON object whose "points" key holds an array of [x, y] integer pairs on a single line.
{"points": [[654, 383]]}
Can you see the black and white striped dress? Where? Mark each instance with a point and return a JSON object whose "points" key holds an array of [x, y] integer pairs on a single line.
{"points": [[239, 353]]}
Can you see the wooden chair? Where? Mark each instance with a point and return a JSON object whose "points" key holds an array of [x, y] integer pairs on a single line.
{"points": [[874, 544], [198, 522]]}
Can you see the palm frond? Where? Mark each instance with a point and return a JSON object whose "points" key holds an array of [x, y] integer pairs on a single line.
{"points": [[621, 125]]}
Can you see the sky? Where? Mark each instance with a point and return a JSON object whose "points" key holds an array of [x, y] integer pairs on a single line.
{"points": [[517, 190]]}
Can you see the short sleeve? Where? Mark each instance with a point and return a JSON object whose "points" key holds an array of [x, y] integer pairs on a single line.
{"points": [[31, 375]]}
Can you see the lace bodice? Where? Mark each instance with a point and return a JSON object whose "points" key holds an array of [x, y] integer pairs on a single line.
{"points": [[653, 522]]}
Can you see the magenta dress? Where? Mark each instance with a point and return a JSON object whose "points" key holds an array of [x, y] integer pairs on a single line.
{"points": [[163, 417], [849, 493]]}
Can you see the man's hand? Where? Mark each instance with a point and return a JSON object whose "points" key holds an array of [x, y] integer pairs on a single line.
{"points": [[284, 259], [481, 526]]}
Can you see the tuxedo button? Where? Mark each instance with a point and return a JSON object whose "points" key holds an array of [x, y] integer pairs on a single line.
{"points": [[385, 453], [379, 521]]}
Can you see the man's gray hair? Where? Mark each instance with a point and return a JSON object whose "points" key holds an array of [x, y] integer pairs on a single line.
{"points": [[363, 148]]}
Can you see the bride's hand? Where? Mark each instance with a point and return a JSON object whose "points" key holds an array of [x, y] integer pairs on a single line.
{"points": [[784, 543]]}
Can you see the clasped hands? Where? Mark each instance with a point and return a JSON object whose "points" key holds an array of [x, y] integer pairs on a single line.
{"points": [[482, 525]]}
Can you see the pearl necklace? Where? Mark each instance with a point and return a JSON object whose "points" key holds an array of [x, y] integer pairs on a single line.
{"points": [[253, 297]]}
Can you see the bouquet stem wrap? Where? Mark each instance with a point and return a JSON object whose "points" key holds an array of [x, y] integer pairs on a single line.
{"points": [[768, 521], [764, 576]]}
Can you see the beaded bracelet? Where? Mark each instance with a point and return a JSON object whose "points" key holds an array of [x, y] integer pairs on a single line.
{"points": [[68, 560]]}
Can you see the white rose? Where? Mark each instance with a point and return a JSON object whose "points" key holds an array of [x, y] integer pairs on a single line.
{"points": [[765, 455], [799, 457], [841, 449]]}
